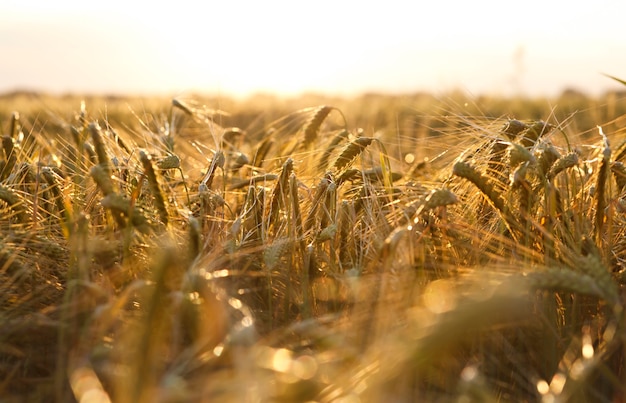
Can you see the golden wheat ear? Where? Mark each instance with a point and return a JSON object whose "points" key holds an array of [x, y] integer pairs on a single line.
{"points": [[155, 187], [262, 151], [619, 173], [14, 128], [601, 187], [279, 194], [15, 203], [312, 127], [351, 151], [513, 127], [99, 147], [464, 170], [567, 161]]}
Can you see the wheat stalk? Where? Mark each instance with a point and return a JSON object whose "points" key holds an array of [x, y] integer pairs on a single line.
{"points": [[217, 162], [347, 222], [195, 238], [297, 215]]}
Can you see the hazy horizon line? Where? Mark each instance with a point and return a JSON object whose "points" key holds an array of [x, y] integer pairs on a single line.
{"points": [[23, 90]]}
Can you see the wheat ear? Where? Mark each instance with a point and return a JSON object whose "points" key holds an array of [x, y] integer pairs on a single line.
{"points": [[312, 127], [102, 179], [14, 129], [534, 132], [14, 202], [513, 127], [295, 205], [351, 151], [563, 163], [620, 153], [99, 148], [495, 167], [601, 180], [155, 188], [547, 157], [182, 106], [519, 154], [464, 170], [338, 139], [51, 179], [280, 190], [120, 206], [320, 191], [619, 173], [262, 151], [11, 159], [563, 279]]}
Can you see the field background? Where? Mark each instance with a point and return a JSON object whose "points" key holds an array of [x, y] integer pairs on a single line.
{"points": [[378, 248]]}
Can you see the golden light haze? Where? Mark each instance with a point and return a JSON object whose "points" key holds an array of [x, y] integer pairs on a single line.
{"points": [[337, 47]]}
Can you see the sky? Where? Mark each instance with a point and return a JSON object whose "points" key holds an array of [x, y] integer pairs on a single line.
{"points": [[237, 48]]}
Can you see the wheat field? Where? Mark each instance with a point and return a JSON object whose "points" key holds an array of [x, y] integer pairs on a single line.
{"points": [[318, 250]]}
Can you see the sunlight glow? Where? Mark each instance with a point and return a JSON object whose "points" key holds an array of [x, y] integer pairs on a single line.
{"points": [[587, 349], [240, 47], [305, 367], [282, 360], [87, 387], [440, 296], [557, 383], [543, 387]]}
